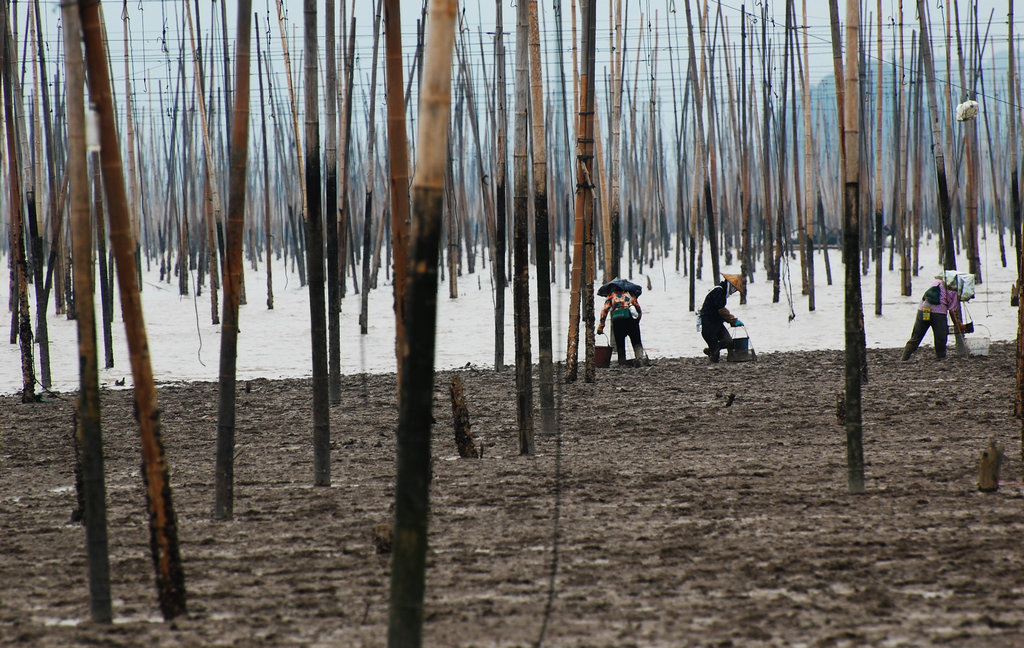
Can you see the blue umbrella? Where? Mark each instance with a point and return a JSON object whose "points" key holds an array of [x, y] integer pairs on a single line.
{"points": [[619, 284]]}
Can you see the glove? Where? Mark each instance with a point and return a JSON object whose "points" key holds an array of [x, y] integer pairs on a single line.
{"points": [[737, 323], [600, 329]]}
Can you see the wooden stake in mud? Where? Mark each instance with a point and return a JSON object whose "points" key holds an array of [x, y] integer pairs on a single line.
{"points": [[851, 245], [460, 414], [90, 433], [412, 483], [237, 169], [500, 188], [163, 524]]}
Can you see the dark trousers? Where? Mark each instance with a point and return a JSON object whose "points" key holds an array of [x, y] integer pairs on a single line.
{"points": [[939, 324], [717, 340], [622, 327]]}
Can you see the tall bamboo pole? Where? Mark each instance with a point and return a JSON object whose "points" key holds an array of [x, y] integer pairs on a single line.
{"points": [[501, 175], [21, 313], [371, 165], [237, 168], [170, 575], [90, 434], [588, 103], [851, 243], [334, 264], [541, 229], [315, 254], [945, 219], [398, 164], [879, 159], [520, 218], [412, 483], [268, 240], [809, 174]]}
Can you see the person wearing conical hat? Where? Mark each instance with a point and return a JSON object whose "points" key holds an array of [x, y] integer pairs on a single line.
{"points": [[714, 315]]}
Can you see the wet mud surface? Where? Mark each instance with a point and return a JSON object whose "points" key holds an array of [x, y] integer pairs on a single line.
{"points": [[697, 505]]}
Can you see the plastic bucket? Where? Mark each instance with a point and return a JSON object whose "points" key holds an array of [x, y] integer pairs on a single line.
{"points": [[977, 346], [741, 344], [603, 355]]}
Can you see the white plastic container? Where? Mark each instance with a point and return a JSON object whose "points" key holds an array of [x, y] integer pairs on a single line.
{"points": [[977, 346]]}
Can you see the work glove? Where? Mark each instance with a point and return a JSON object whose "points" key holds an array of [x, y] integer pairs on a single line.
{"points": [[737, 323]]}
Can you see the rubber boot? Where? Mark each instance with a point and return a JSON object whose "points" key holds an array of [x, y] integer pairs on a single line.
{"points": [[908, 351], [641, 356]]}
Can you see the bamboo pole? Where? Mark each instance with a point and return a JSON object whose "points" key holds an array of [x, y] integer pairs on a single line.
{"points": [[268, 239], [501, 175], [851, 242], [315, 253], [809, 176], [33, 202], [238, 156], [331, 208], [371, 163], [398, 165], [170, 575], [412, 503], [521, 278], [945, 221], [90, 435], [542, 247]]}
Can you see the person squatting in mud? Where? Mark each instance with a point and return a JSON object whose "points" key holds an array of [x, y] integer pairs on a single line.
{"points": [[714, 315], [625, 312]]}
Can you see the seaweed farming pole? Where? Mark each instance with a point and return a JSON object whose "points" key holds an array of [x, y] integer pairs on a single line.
{"points": [[697, 189], [808, 233], [945, 220], [588, 104], [1015, 201], [22, 313], [501, 175], [170, 576], [851, 243], [315, 255], [35, 239], [371, 163], [584, 202], [398, 164], [237, 168], [542, 245], [412, 482], [344, 215], [214, 201], [268, 240], [879, 159], [89, 432], [331, 206], [521, 234], [613, 251]]}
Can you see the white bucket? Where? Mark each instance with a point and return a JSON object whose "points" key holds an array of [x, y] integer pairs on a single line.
{"points": [[977, 346]]}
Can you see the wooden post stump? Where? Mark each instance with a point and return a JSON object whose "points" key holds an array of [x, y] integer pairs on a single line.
{"points": [[463, 433], [988, 471]]}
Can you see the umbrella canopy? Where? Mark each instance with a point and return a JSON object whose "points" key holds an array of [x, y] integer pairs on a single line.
{"points": [[620, 285]]}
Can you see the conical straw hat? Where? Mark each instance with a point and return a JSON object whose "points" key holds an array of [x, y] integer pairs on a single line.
{"points": [[736, 281]]}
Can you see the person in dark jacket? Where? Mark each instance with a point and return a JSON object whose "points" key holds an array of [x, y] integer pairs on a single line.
{"points": [[714, 315]]}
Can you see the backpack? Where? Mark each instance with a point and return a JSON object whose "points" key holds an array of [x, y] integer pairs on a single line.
{"points": [[933, 295]]}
